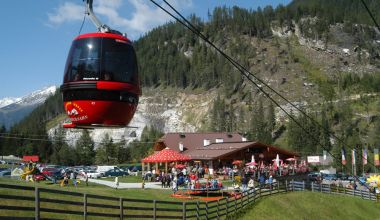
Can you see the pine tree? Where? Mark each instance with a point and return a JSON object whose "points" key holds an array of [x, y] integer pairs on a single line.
{"points": [[85, 149], [106, 152]]}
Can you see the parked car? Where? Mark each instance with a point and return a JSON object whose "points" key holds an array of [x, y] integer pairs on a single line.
{"points": [[136, 168], [330, 177], [92, 174], [6, 172], [39, 177], [53, 172], [314, 176], [115, 172]]}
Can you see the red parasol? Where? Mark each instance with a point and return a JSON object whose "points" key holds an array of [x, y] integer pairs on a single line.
{"points": [[251, 164], [180, 166], [291, 159], [166, 155], [237, 162]]}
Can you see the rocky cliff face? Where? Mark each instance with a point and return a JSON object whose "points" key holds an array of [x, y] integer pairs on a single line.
{"points": [[166, 110]]}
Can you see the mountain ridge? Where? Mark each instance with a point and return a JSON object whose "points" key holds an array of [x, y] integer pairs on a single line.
{"points": [[13, 110]]}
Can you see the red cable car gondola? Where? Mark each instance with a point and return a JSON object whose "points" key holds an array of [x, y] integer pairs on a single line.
{"points": [[100, 85]]}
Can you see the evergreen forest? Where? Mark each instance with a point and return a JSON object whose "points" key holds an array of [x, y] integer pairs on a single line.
{"points": [[170, 56]]}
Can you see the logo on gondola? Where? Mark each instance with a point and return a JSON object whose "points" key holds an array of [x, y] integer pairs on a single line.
{"points": [[74, 111]]}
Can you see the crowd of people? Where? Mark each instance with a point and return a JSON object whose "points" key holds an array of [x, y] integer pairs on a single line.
{"points": [[187, 177]]}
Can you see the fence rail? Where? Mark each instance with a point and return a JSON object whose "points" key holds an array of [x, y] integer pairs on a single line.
{"points": [[35, 202]]}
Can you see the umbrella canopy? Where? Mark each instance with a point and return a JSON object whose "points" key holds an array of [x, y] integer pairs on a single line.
{"points": [[251, 163], [237, 162], [291, 159], [166, 155], [180, 166]]}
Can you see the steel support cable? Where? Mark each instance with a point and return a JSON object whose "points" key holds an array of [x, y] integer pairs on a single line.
{"points": [[246, 73], [240, 68], [237, 65], [371, 15], [84, 19], [64, 140], [198, 32]]}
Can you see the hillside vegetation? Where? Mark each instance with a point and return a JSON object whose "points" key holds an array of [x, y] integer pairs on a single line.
{"points": [[322, 55]]}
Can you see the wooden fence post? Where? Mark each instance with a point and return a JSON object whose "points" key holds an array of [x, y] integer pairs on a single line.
{"points": [[303, 185], [217, 209], [320, 186], [207, 210], [312, 186], [260, 192], [183, 210], [154, 209], [286, 185], [361, 192], [121, 201], [270, 189], [235, 204], [37, 203], [226, 207], [278, 187], [85, 206], [197, 210], [250, 195], [241, 200], [293, 185], [330, 188]]}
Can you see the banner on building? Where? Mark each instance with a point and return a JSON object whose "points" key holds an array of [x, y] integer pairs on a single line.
{"points": [[365, 156], [344, 156], [376, 153], [353, 157]]}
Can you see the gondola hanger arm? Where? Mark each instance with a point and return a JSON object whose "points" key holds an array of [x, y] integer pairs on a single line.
{"points": [[99, 25]]}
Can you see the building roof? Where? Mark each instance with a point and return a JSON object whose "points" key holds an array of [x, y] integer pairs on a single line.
{"points": [[219, 150], [166, 155], [217, 145], [192, 141]]}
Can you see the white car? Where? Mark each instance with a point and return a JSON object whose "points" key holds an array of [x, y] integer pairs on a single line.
{"points": [[93, 174]]}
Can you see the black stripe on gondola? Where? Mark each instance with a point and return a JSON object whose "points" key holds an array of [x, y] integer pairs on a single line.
{"points": [[69, 86], [103, 95]]}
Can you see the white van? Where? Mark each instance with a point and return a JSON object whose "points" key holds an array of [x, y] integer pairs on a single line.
{"points": [[103, 169]]}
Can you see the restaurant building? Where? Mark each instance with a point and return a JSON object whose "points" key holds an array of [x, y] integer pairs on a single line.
{"points": [[218, 149]]}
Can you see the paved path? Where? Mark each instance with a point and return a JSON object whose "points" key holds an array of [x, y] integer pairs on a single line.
{"points": [[148, 185]]}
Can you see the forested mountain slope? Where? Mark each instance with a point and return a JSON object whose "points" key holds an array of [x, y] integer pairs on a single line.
{"points": [[322, 55]]}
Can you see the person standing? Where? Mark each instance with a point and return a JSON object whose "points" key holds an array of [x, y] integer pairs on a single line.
{"points": [[163, 180], [251, 184], [174, 185], [244, 183], [116, 182], [86, 178]]}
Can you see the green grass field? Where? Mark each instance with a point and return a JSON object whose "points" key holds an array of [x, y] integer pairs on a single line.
{"points": [[312, 205], [97, 189], [294, 205], [94, 189]]}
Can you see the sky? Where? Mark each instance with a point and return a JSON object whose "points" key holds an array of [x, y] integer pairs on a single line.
{"points": [[36, 35]]}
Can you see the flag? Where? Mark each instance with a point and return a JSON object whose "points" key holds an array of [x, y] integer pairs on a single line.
{"points": [[343, 156], [376, 153], [353, 157], [365, 156]]}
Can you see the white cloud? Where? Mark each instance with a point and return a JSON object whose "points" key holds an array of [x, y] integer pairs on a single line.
{"points": [[144, 14], [66, 13]]}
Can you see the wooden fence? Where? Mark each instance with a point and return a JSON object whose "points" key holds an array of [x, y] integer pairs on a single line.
{"points": [[37, 203]]}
